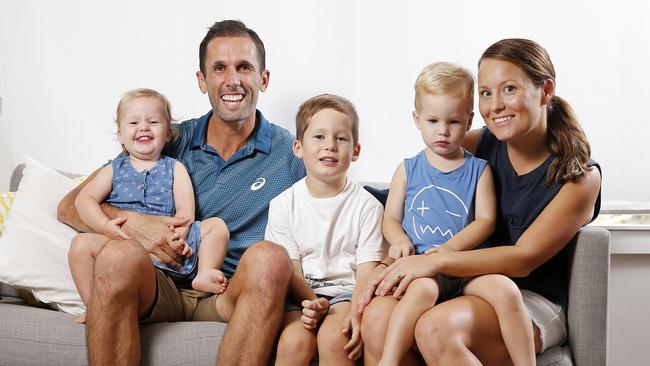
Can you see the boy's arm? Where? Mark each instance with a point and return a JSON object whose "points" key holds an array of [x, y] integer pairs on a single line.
{"points": [[352, 323], [183, 197], [299, 289], [400, 244], [479, 230]]}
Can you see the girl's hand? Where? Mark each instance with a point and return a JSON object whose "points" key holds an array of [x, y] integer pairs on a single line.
{"points": [[113, 229], [401, 250], [400, 274], [352, 326]]}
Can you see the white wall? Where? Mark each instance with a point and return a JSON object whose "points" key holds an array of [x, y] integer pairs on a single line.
{"points": [[67, 62], [6, 160]]}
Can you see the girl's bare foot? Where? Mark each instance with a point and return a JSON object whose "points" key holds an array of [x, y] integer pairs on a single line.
{"points": [[212, 280]]}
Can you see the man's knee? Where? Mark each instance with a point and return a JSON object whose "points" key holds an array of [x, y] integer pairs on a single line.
{"points": [[267, 264], [119, 262]]}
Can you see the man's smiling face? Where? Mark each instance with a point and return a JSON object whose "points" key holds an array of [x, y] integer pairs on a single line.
{"points": [[232, 78]]}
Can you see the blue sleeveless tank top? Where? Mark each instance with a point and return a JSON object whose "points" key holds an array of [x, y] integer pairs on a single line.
{"points": [[438, 204], [148, 192]]}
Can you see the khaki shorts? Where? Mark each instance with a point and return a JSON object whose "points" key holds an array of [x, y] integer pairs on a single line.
{"points": [[549, 317], [180, 304]]}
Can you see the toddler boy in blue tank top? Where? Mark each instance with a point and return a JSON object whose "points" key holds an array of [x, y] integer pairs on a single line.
{"points": [[443, 200]]}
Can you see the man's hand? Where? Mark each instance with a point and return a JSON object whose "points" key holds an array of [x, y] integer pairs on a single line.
{"points": [[156, 237], [113, 228], [401, 250], [352, 326], [313, 311]]}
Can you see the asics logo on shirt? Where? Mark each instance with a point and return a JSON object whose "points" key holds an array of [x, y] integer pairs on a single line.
{"points": [[259, 183]]}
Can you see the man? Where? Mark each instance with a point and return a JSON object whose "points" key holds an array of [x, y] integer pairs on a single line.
{"points": [[238, 162]]}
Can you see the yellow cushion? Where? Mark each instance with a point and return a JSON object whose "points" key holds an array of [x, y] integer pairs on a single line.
{"points": [[80, 179], [6, 199]]}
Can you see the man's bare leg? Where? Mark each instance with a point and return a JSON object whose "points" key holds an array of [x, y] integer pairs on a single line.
{"points": [[112, 328], [253, 305]]}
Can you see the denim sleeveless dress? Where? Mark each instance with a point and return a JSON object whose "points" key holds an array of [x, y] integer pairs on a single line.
{"points": [[150, 192]]}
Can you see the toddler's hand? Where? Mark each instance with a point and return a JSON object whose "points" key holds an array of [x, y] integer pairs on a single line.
{"points": [[313, 311], [440, 249], [113, 228], [399, 250], [186, 249]]}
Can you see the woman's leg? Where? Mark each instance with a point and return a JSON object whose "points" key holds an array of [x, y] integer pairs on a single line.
{"points": [[297, 345], [461, 331], [421, 295], [516, 326]]}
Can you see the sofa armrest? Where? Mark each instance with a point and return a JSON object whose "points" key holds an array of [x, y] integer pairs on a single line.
{"points": [[588, 288]]}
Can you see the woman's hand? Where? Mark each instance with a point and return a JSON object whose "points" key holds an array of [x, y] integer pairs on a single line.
{"points": [[396, 277], [368, 291]]}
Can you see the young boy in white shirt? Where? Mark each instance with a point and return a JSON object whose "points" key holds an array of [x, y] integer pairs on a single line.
{"points": [[331, 228]]}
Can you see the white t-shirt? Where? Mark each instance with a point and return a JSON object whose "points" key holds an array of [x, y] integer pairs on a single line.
{"points": [[330, 236]]}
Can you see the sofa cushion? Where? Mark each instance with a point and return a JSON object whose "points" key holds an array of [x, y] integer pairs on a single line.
{"points": [[32, 336], [34, 246]]}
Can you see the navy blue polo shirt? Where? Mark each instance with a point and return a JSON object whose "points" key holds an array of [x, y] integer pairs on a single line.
{"points": [[237, 190]]}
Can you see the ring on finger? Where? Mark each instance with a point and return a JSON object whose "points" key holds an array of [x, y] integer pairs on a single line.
{"points": [[398, 275]]}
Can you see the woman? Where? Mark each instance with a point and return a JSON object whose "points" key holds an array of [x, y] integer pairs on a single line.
{"points": [[546, 190]]}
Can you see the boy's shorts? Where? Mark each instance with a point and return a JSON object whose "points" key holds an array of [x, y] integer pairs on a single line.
{"points": [[549, 317], [449, 286], [290, 306], [174, 304]]}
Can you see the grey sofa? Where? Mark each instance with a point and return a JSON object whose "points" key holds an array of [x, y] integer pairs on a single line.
{"points": [[35, 336]]}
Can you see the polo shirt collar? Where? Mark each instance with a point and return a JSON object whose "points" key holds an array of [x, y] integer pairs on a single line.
{"points": [[261, 139]]}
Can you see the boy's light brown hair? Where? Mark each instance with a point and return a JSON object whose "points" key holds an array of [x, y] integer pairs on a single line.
{"points": [[324, 101], [444, 78]]}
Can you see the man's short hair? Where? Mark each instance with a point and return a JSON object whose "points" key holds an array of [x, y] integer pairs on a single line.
{"points": [[326, 101], [231, 28], [444, 78]]}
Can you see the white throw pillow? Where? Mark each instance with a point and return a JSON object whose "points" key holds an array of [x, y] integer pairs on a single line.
{"points": [[34, 246]]}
